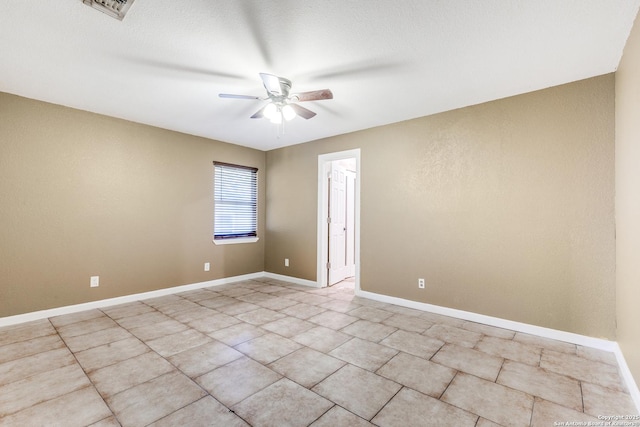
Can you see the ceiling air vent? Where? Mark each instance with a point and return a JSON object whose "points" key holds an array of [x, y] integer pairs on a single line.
{"points": [[114, 8]]}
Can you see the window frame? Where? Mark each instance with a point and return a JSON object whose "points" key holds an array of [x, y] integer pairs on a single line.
{"points": [[249, 237]]}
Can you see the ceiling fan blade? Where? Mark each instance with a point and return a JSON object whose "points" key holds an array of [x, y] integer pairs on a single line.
{"points": [[259, 114], [229, 95], [271, 83], [302, 112], [316, 95]]}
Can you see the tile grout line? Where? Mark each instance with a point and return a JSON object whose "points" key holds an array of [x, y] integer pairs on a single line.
{"points": [[85, 373]]}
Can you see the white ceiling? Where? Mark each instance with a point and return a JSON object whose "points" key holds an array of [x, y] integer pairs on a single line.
{"points": [[385, 60]]}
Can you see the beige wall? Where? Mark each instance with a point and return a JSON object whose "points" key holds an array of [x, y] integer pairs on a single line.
{"points": [[83, 194], [506, 208], [628, 201]]}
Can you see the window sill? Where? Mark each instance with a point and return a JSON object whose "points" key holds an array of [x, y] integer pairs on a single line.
{"points": [[234, 241]]}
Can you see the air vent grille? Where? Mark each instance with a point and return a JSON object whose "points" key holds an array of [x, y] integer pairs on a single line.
{"points": [[114, 8]]}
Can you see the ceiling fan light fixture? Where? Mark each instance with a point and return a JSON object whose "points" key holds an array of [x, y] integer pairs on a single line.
{"points": [[276, 119], [270, 111], [288, 112]]}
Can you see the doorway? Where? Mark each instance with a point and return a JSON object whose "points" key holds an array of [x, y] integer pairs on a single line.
{"points": [[339, 218]]}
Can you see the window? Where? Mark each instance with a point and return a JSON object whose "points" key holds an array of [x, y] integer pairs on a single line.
{"points": [[235, 203]]}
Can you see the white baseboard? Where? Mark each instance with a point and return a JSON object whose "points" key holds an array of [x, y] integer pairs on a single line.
{"points": [[632, 386], [303, 282], [597, 343], [44, 314]]}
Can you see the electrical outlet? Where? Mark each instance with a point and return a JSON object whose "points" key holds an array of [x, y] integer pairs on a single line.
{"points": [[421, 283], [207, 266], [286, 262], [95, 281]]}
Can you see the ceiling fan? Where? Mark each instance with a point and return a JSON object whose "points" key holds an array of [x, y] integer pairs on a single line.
{"points": [[281, 104]]}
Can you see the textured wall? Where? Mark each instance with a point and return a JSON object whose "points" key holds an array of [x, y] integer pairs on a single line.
{"points": [[628, 201], [83, 194], [506, 208]]}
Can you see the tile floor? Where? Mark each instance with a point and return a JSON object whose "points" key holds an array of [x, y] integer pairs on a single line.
{"points": [[269, 353]]}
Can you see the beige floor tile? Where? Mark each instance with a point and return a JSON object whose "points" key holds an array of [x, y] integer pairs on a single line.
{"points": [[403, 310], [288, 326], [492, 401], [177, 307], [602, 401], [205, 412], [410, 408], [127, 310], [277, 303], [237, 380], [370, 331], [107, 422], [492, 331], [267, 348], [547, 414], [238, 333], [309, 298], [482, 422], [79, 408], [597, 355], [283, 403], [322, 339], [25, 367], [67, 319], [407, 323], [256, 297], [302, 311], [538, 382], [358, 390], [108, 354], [213, 322], [86, 327], [454, 335], [365, 354], [338, 416], [417, 373], [340, 306], [155, 399], [192, 314], [471, 361], [30, 347], [333, 319], [260, 316], [237, 308], [512, 350], [162, 301], [301, 331], [370, 313], [582, 369], [144, 319], [439, 319], [151, 332], [175, 343], [97, 339], [198, 294], [205, 358], [129, 373], [217, 302], [306, 366], [39, 388], [237, 291], [412, 343], [545, 343]]}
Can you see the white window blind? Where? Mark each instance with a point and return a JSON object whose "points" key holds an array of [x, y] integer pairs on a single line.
{"points": [[235, 201]]}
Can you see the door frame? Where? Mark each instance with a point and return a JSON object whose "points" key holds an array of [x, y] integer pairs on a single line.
{"points": [[324, 162]]}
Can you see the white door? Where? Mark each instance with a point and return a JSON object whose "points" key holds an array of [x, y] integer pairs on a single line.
{"points": [[338, 270], [351, 223]]}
